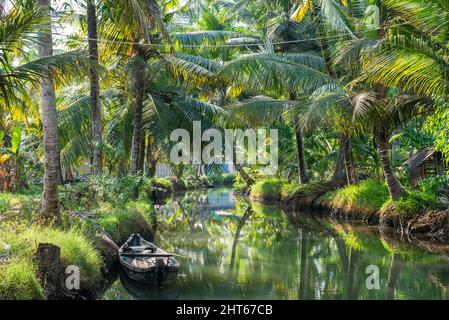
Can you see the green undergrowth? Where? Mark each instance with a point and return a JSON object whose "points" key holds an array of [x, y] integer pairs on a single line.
{"points": [[23, 204], [268, 188], [226, 179], [367, 197], [427, 196], [162, 183], [21, 231], [120, 222], [18, 243], [18, 281]]}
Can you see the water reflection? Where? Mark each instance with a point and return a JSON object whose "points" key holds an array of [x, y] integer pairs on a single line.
{"points": [[232, 249]]}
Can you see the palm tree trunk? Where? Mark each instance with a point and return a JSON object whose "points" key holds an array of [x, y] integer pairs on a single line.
{"points": [[94, 88], [141, 155], [50, 200], [339, 176], [352, 288], [350, 164], [394, 186], [2, 8], [151, 160], [137, 130], [240, 226], [302, 166]]}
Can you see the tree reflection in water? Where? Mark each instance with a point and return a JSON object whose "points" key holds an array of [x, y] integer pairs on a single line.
{"points": [[252, 251]]}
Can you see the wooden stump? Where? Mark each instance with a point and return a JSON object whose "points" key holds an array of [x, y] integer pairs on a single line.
{"points": [[48, 258]]}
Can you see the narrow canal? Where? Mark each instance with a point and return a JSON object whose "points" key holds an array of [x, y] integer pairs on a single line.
{"points": [[230, 248]]}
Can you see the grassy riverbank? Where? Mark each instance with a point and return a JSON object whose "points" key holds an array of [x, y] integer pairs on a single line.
{"points": [[113, 204], [115, 207], [21, 230], [422, 207]]}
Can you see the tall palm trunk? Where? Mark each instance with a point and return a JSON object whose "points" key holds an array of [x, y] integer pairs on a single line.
{"points": [[339, 176], [151, 159], [381, 138], [94, 88], [394, 186], [141, 162], [302, 166], [350, 163], [137, 129], [240, 226], [50, 201]]}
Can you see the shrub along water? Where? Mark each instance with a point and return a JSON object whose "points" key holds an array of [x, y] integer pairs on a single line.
{"points": [[120, 222], [226, 179], [365, 198], [268, 189]]}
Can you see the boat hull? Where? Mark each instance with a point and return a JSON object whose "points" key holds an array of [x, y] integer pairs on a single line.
{"points": [[151, 277]]}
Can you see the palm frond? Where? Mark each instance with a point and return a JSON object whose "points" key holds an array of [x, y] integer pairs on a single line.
{"points": [[21, 27], [75, 129], [302, 10], [258, 110], [410, 63], [64, 66], [427, 16], [209, 37], [190, 71], [285, 72]]}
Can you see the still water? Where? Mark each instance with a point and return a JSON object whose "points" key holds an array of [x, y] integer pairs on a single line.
{"points": [[230, 248]]}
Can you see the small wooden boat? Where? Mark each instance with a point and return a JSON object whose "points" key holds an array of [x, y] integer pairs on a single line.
{"points": [[145, 262]]}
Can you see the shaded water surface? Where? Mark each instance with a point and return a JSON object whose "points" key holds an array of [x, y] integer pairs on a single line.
{"points": [[233, 249]]}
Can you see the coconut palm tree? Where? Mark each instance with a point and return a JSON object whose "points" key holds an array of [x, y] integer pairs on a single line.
{"points": [[50, 202], [97, 139], [374, 57], [414, 56], [354, 50], [283, 73], [23, 26], [301, 33], [129, 26]]}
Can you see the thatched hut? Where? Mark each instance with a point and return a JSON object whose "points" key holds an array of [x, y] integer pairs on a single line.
{"points": [[426, 163]]}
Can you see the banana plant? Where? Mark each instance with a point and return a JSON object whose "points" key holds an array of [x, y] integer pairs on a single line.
{"points": [[7, 153]]}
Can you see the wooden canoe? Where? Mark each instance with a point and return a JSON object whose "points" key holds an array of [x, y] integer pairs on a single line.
{"points": [[145, 262]]}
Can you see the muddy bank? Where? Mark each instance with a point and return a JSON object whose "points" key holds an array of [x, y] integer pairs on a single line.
{"points": [[432, 223]]}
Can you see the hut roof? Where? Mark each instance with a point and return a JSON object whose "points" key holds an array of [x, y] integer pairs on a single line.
{"points": [[418, 158]]}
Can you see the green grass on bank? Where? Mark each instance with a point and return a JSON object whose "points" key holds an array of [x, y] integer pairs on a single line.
{"points": [[21, 232], [414, 202], [120, 222], [18, 243], [268, 189], [367, 197], [18, 281]]}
